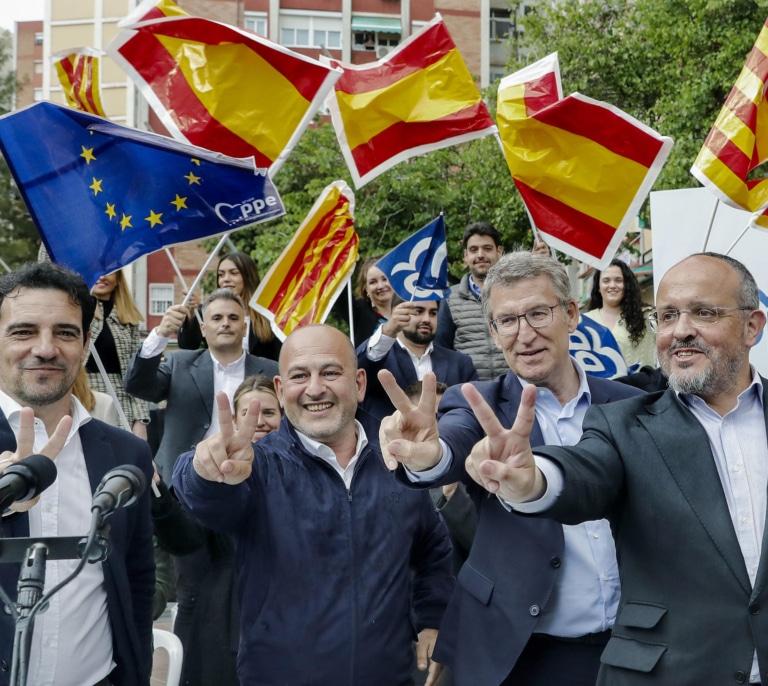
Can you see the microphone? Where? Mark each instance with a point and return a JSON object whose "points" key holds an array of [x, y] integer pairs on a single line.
{"points": [[26, 479], [120, 487]]}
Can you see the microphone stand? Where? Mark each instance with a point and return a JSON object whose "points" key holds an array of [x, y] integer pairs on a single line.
{"points": [[30, 599]]}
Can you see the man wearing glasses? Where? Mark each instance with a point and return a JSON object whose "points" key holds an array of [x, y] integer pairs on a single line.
{"points": [[682, 477], [535, 601]]}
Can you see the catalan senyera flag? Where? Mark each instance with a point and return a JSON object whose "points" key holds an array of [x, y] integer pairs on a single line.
{"points": [[304, 282], [221, 87], [419, 97], [79, 75], [738, 141], [583, 167]]}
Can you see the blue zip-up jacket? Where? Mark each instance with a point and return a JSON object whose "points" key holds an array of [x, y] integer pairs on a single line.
{"points": [[327, 577]]}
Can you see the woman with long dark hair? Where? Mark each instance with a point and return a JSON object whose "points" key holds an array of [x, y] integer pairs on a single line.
{"points": [[617, 304]]}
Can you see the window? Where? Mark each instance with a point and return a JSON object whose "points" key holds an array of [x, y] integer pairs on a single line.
{"points": [[38, 66], [501, 24], [310, 30], [38, 94], [160, 298], [257, 22], [38, 39], [376, 34]]}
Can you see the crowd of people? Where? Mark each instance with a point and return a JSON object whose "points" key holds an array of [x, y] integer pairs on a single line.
{"points": [[441, 496]]}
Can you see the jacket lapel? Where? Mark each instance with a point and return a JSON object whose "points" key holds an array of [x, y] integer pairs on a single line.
{"points": [[202, 376], [511, 390], [762, 571], [684, 447]]}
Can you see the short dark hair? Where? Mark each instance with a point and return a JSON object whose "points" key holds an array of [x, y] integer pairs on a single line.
{"points": [[54, 277], [481, 229]]}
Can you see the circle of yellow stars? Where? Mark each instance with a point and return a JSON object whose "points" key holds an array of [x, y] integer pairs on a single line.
{"points": [[154, 218]]}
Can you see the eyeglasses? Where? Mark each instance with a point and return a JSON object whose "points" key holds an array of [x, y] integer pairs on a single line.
{"points": [[537, 318], [661, 320]]}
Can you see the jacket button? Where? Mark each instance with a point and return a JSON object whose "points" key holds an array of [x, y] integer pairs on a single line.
{"points": [[7, 609], [741, 678], [555, 562], [534, 610], [754, 609], [4, 665]]}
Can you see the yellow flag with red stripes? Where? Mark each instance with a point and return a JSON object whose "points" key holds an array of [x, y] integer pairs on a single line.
{"points": [[583, 167], [419, 97], [79, 75], [304, 282], [738, 141]]}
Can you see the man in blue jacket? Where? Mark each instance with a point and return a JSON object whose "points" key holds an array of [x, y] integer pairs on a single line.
{"points": [[333, 555]]}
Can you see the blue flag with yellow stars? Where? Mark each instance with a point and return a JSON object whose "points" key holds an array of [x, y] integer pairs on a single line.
{"points": [[103, 195]]}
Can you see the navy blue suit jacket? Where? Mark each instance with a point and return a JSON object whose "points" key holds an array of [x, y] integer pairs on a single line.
{"points": [[449, 366], [514, 561], [129, 571]]}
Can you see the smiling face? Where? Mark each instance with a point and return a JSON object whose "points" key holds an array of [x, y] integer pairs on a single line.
{"points": [[711, 361], [422, 327], [480, 255], [105, 286], [269, 414], [539, 356], [378, 288], [320, 386], [612, 286], [42, 347], [229, 276]]}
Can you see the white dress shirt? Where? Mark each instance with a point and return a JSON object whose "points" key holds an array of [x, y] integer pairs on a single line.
{"points": [[379, 344]]}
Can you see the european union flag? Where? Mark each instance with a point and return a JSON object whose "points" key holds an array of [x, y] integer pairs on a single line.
{"points": [[595, 347], [103, 195], [417, 269]]}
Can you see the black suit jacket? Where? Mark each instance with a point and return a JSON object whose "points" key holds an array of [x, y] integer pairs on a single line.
{"points": [[185, 380], [514, 561], [688, 612], [129, 571], [449, 366]]}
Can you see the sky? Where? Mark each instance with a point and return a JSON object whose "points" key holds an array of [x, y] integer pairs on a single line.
{"points": [[12, 11]]}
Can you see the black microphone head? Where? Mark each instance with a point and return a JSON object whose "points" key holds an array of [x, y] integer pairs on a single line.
{"points": [[133, 475], [40, 471]]}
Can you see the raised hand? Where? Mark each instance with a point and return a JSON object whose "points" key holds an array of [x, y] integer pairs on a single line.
{"points": [[503, 462], [25, 447], [227, 457], [172, 319], [409, 436], [400, 318]]}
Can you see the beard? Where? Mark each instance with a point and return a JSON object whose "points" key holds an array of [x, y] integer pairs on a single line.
{"points": [[419, 338], [718, 377]]}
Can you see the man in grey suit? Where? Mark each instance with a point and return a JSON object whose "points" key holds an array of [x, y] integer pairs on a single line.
{"points": [[681, 475], [189, 379]]}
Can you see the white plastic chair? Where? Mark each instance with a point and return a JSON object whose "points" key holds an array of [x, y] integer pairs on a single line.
{"points": [[171, 644]]}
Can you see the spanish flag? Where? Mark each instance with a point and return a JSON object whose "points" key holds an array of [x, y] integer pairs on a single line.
{"points": [[304, 282], [420, 97], [738, 141], [223, 88], [583, 167], [78, 72]]}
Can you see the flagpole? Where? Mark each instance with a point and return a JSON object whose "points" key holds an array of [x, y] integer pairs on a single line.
{"points": [[740, 236], [711, 223], [350, 306], [110, 388], [204, 269], [175, 266]]}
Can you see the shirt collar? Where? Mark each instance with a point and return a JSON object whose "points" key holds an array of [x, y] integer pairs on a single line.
{"points": [[11, 409], [321, 450], [755, 387], [427, 351], [477, 290], [584, 390], [239, 363]]}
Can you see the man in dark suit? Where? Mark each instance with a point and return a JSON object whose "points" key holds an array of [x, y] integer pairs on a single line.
{"points": [[405, 346], [189, 379], [682, 475], [98, 628], [535, 600]]}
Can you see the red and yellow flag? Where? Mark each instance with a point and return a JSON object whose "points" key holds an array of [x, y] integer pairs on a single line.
{"points": [[78, 72], [304, 282], [420, 97], [220, 87], [583, 167], [738, 141]]}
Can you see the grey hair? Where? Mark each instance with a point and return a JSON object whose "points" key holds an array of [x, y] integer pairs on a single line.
{"points": [[523, 264], [750, 295], [223, 294]]}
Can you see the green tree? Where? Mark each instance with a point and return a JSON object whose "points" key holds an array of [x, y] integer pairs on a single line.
{"points": [[18, 237], [669, 63]]}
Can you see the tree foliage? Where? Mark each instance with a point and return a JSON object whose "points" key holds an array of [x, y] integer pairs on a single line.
{"points": [[18, 236]]}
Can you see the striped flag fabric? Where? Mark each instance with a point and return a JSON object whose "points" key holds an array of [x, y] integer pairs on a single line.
{"points": [[583, 167], [221, 87], [79, 75], [304, 282], [738, 141], [420, 97]]}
